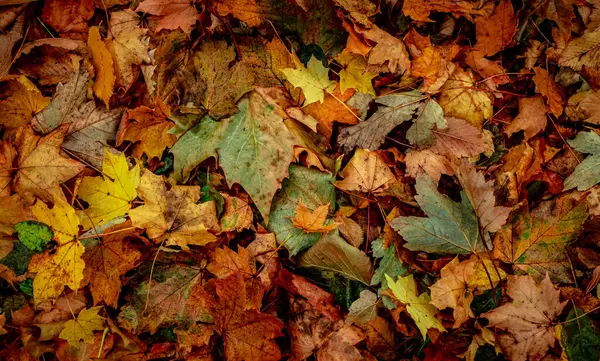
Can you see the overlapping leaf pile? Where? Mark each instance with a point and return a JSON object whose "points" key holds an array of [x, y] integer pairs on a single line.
{"points": [[299, 179]]}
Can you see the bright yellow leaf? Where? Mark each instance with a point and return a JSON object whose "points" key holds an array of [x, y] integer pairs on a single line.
{"points": [[83, 327], [21, 100], [63, 267], [353, 75], [312, 221], [460, 98], [103, 66], [110, 195], [418, 307], [313, 80]]}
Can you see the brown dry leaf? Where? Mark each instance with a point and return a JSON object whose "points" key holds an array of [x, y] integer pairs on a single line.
{"points": [[459, 282], [148, 129], [460, 139], [351, 230], [7, 41], [108, 261], [41, 168], [389, 54], [312, 221], [366, 172], [427, 162], [380, 339], [172, 215], [174, 14], [224, 262], [420, 9], [529, 319], [496, 31], [312, 159], [7, 156], [13, 210], [589, 108], [433, 67], [20, 100], [491, 71], [552, 92], [237, 214], [531, 118], [103, 65], [330, 110], [246, 10], [67, 17]]}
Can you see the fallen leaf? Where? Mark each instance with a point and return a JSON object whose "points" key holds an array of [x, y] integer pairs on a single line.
{"points": [[552, 92], [363, 309], [69, 18], [420, 9], [8, 41], [103, 66], [20, 101], [237, 214], [586, 174], [41, 168], [528, 319], [180, 14], [331, 253], [427, 162], [172, 215], [460, 98], [579, 337], [64, 266], [531, 119], [353, 74], [312, 221], [581, 51], [110, 195], [389, 263], [7, 157], [418, 307], [496, 31], [148, 129], [83, 327], [330, 111], [366, 172], [460, 139], [313, 80], [247, 11]]}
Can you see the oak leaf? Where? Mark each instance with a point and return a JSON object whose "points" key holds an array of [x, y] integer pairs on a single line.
{"points": [[108, 261], [20, 100], [178, 14], [417, 306], [83, 327], [41, 168], [461, 99], [313, 79], [148, 129], [110, 195], [552, 92], [172, 215], [65, 265], [312, 221], [531, 118], [587, 173], [529, 319], [103, 66], [366, 172], [459, 283]]}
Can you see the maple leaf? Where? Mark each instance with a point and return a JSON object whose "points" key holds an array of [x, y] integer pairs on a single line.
{"points": [[458, 283], [312, 221], [7, 156], [461, 99], [247, 333], [460, 139], [432, 65], [353, 74], [63, 266], [307, 186], [41, 168], [174, 14], [531, 118], [103, 66], [552, 92], [450, 228], [587, 173], [495, 32], [67, 17], [172, 215], [535, 242], [329, 111], [427, 162], [420, 9], [20, 100], [126, 46], [105, 263], [389, 264], [148, 129], [313, 80], [83, 327], [247, 11], [366, 172], [332, 253], [110, 195], [237, 214], [418, 307], [528, 319]]}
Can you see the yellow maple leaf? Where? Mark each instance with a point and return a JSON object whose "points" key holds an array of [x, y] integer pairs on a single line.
{"points": [[313, 80], [459, 98], [353, 74], [83, 327], [173, 214], [63, 267], [21, 100], [312, 221], [418, 307], [110, 195], [103, 65]]}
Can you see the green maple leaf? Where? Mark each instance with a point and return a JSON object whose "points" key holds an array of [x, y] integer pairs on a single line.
{"points": [[388, 264], [313, 80], [587, 173], [450, 227]]}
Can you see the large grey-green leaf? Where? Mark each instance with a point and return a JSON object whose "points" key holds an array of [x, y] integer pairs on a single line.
{"points": [[311, 186], [394, 109], [332, 253], [388, 264], [429, 114], [449, 228], [586, 174]]}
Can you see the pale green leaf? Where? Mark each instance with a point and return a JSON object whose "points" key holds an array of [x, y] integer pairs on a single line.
{"points": [[429, 115], [587, 173]]}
